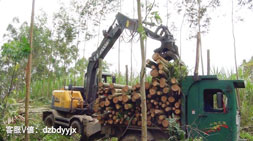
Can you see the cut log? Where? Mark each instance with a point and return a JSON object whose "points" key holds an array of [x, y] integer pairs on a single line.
{"points": [[110, 97], [167, 109], [107, 102], [162, 66], [116, 121], [155, 103], [166, 90], [162, 117], [128, 106], [152, 91], [155, 83], [173, 80], [117, 106], [113, 85], [163, 82], [150, 63], [171, 99], [110, 121], [163, 105], [159, 93], [177, 111], [118, 91], [101, 103], [125, 89], [115, 99], [114, 117], [154, 73], [136, 96], [165, 123], [108, 108], [155, 56], [164, 99], [126, 98], [167, 103], [120, 98], [175, 88], [177, 104], [100, 84], [158, 111]]}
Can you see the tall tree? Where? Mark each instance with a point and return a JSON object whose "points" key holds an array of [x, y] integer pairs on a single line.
{"points": [[28, 75], [142, 74], [235, 59], [196, 13]]}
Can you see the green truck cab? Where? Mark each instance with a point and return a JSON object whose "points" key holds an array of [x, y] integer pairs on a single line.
{"points": [[210, 108]]}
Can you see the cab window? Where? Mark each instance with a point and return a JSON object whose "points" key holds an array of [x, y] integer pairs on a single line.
{"points": [[214, 100]]}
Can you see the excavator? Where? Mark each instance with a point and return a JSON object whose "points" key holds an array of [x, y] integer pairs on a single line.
{"points": [[72, 107]]}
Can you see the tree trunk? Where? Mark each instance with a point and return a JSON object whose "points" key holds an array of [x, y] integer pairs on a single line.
{"points": [[234, 44], [28, 75], [208, 62], [143, 94], [196, 70]]}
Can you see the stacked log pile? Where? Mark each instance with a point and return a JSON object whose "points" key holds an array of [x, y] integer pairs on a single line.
{"points": [[120, 105]]}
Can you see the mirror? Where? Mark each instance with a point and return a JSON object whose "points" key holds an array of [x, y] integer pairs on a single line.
{"points": [[113, 79], [219, 100]]}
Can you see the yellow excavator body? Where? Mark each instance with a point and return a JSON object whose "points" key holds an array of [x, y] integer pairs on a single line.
{"points": [[66, 100]]}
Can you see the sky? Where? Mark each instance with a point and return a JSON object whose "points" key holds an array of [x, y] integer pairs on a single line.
{"points": [[219, 38]]}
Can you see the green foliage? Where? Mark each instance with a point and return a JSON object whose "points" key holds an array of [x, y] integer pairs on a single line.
{"points": [[142, 32], [16, 50], [155, 15], [245, 135], [174, 130], [178, 70], [196, 13], [9, 115], [114, 139]]}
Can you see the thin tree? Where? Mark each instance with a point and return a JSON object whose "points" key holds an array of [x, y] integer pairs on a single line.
{"points": [[197, 58], [119, 73], [199, 38], [131, 51], [142, 75], [234, 44], [199, 19], [28, 75], [198, 45]]}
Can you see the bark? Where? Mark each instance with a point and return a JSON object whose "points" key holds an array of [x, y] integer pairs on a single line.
{"points": [[143, 95], [28, 74]]}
